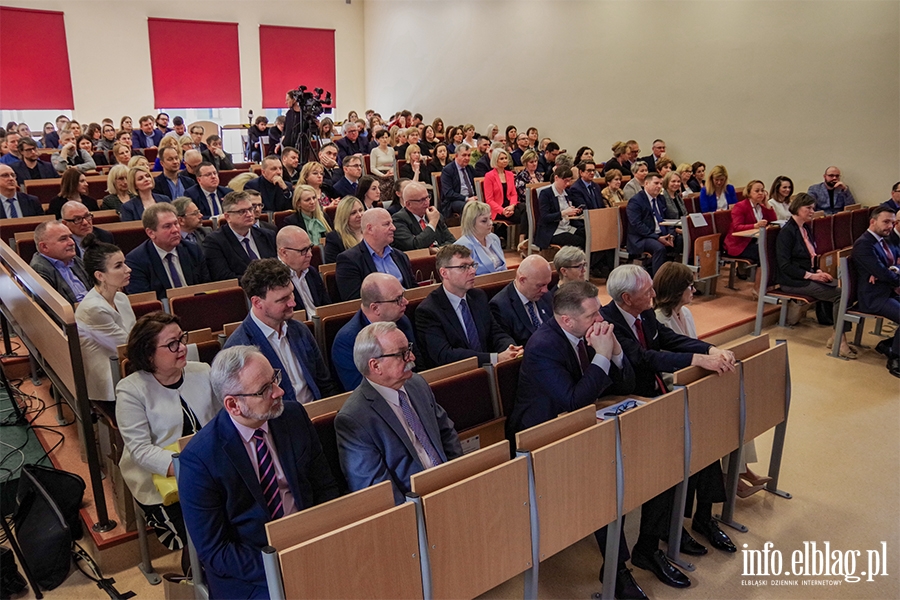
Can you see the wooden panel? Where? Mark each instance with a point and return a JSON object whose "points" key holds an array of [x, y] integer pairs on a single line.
{"points": [[327, 268], [492, 278], [705, 255], [652, 448], [201, 288], [829, 261], [455, 368], [377, 557], [419, 293], [479, 530], [564, 425], [741, 350], [183, 441], [489, 433], [299, 315], [326, 405], [765, 379], [122, 226], [420, 253], [430, 480], [229, 328], [200, 335], [321, 519], [604, 224], [715, 410], [575, 480], [456, 232], [340, 308], [141, 297]]}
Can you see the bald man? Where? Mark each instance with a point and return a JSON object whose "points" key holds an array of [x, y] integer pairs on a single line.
{"points": [[295, 250], [192, 160], [524, 305], [832, 195], [419, 225], [373, 255]]}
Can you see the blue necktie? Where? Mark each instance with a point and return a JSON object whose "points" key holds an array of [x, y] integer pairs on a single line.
{"points": [[13, 213], [176, 280], [213, 204], [412, 419], [529, 306], [471, 330], [267, 476], [249, 250]]}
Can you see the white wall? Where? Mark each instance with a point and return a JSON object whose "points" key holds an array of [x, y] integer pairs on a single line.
{"points": [[765, 88], [109, 53]]}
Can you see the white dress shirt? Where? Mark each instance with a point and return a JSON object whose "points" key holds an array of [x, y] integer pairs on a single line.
{"points": [[455, 302], [525, 302], [563, 200], [246, 434], [162, 256], [249, 236], [392, 397], [302, 287], [282, 347], [599, 360]]}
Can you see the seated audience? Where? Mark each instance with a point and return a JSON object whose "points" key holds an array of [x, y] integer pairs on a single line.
{"points": [[295, 250], [87, 144], [524, 305], [207, 194], [454, 138], [215, 155], [664, 166], [313, 175], [527, 175], [275, 191], [73, 187], [645, 234], [56, 262], [172, 182], [256, 430], [286, 343], [349, 183], [108, 137], [116, 189], [780, 197], [192, 160], [122, 152], [70, 156], [717, 194], [698, 174], [620, 160], [328, 159], [570, 262], [657, 153], [415, 169], [190, 221], [350, 144], [685, 171], [892, 203], [553, 226], [308, 214], [584, 193], [147, 136], [751, 213], [521, 146], [237, 242], [373, 254], [671, 193], [382, 157], [440, 158], [500, 191], [418, 224], [80, 222], [458, 182], [141, 186], [613, 193], [391, 399], [479, 238], [255, 149], [639, 173], [290, 164], [12, 155], [547, 160], [347, 228], [482, 164], [832, 195], [30, 166], [454, 322], [14, 203], [584, 153]]}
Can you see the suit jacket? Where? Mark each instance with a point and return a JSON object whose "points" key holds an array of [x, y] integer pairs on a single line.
{"points": [[551, 381], [138, 140], [450, 186], [198, 195], [742, 219], [550, 217], [651, 163], [162, 187], [45, 171], [29, 206], [304, 349], [709, 203], [483, 166], [222, 164], [667, 352], [149, 274], [623, 167], [510, 313], [441, 336], [198, 236], [101, 329], [842, 198], [342, 187], [347, 148], [226, 257], [316, 289], [642, 220], [516, 156], [342, 348], [274, 198], [354, 264], [410, 235], [493, 191], [871, 261], [133, 210], [579, 195], [334, 245], [45, 269], [792, 256], [485, 256], [223, 503], [373, 444], [101, 234]]}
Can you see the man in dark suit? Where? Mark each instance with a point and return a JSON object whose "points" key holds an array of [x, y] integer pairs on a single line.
{"points": [[190, 221], [215, 155], [454, 322], [347, 184], [483, 164], [287, 344], [230, 484], [391, 427], [230, 248], [80, 222], [523, 306], [645, 210], [257, 203], [171, 183], [419, 225], [295, 250], [290, 164], [56, 262], [207, 194], [547, 160], [277, 194], [458, 182], [653, 349], [522, 143], [892, 203], [164, 261], [147, 136], [350, 144], [13, 203], [373, 254], [584, 193], [878, 279], [658, 150], [31, 167]]}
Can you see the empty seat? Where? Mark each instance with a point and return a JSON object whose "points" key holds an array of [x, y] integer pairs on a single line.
{"points": [[212, 309], [466, 398], [145, 308], [324, 425], [843, 230], [823, 234], [424, 269], [860, 222]]}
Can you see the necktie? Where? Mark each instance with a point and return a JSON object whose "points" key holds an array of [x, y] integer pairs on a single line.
{"points": [[640, 333], [422, 223], [887, 252], [471, 330], [354, 185], [590, 190], [412, 419], [249, 250], [213, 203], [13, 213], [532, 314], [173, 272], [267, 476], [583, 356]]}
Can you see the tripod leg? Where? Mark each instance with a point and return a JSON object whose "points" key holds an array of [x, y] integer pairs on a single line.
{"points": [[18, 552]]}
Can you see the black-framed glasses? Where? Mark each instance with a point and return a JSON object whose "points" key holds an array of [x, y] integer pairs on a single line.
{"points": [[398, 301], [175, 345], [577, 267], [301, 251], [403, 354], [81, 219], [266, 389], [243, 211], [625, 406], [466, 267]]}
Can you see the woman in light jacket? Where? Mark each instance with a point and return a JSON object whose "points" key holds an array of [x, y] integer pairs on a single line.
{"points": [[478, 236]]}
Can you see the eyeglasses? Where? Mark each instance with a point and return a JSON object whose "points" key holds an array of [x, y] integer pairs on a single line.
{"points": [[81, 219], [469, 266], [398, 300], [195, 213], [578, 267], [300, 251], [175, 345], [266, 389], [625, 406], [418, 200], [403, 354], [243, 211]]}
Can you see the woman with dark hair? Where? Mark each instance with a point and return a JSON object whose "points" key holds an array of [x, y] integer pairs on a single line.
{"points": [[164, 399], [510, 138], [441, 157], [369, 192], [383, 160], [438, 125], [104, 316], [454, 138], [259, 128], [72, 186], [780, 197], [613, 193], [107, 139], [584, 153], [48, 136], [87, 144], [428, 140], [698, 173], [326, 130]]}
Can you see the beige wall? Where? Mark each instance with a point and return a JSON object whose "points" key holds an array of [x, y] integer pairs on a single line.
{"points": [[765, 88], [108, 40]]}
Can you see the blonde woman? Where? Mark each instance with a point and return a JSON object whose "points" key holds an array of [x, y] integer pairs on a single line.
{"points": [[313, 175], [478, 237], [140, 185], [238, 182], [308, 214], [717, 194], [347, 231], [685, 171], [116, 189]]}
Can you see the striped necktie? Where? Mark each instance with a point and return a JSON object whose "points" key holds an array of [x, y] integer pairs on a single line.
{"points": [[267, 476]]}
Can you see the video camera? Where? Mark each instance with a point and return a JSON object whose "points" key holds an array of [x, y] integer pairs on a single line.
{"points": [[311, 104]]}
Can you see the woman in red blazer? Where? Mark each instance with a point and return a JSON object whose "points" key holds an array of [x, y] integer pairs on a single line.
{"points": [[749, 213], [500, 189]]}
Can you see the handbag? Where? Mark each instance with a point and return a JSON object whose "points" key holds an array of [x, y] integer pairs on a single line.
{"points": [[167, 486]]}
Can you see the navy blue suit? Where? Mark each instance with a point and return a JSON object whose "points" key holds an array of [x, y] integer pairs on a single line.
{"points": [[138, 140], [304, 349], [347, 148], [580, 195], [274, 198], [102, 235], [149, 274], [29, 206], [642, 220], [551, 215], [226, 256], [878, 297], [45, 171], [199, 197], [316, 289], [354, 264], [452, 199], [709, 203], [133, 210], [162, 187], [342, 348], [223, 503], [512, 317], [342, 187]]}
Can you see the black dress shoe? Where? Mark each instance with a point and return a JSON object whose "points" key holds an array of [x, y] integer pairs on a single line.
{"points": [[884, 347], [691, 546], [717, 538], [626, 587], [659, 565], [893, 366]]}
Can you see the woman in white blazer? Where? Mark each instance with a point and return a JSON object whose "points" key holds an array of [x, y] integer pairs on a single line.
{"points": [[478, 237], [104, 316]]}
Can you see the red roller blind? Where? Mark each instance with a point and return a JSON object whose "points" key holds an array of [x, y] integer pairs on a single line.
{"points": [[34, 60], [292, 56], [195, 64]]}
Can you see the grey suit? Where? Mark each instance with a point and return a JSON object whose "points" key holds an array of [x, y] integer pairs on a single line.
{"points": [[56, 281]]}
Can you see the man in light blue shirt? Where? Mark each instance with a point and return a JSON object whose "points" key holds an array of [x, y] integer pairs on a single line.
{"points": [[56, 262]]}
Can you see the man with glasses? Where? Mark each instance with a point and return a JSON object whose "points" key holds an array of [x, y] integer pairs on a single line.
{"points": [[287, 344], [458, 182], [196, 134], [190, 221], [31, 167], [257, 203], [207, 194], [259, 459], [348, 184], [657, 152], [585, 193], [56, 262], [80, 222], [419, 225], [381, 300], [831, 195], [192, 160], [277, 194], [454, 322], [163, 261], [391, 427], [235, 244], [350, 144], [295, 250], [13, 203]]}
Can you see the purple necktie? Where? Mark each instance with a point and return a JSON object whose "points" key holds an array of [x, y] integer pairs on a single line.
{"points": [[267, 476], [173, 272], [249, 250], [412, 419]]}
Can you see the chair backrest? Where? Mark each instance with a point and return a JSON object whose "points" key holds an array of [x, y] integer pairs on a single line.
{"points": [[150, 154], [623, 226], [329, 279], [847, 276], [330, 319], [211, 309], [45, 189], [24, 245], [127, 235], [603, 225], [479, 188], [106, 216], [424, 269], [280, 216], [507, 374], [706, 255], [324, 425], [694, 232], [843, 230], [467, 398], [10, 227], [96, 186], [436, 188], [722, 222], [823, 234], [860, 222], [226, 176], [771, 262], [691, 202], [533, 208]]}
